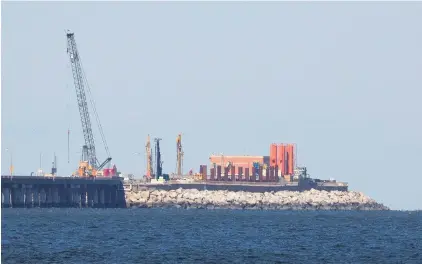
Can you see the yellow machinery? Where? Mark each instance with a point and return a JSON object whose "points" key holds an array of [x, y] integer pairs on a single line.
{"points": [[197, 177]]}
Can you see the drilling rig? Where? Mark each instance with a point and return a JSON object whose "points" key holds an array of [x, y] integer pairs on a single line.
{"points": [[149, 171], [179, 169], [158, 162], [89, 165]]}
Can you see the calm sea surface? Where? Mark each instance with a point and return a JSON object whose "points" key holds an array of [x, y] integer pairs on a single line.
{"points": [[209, 236]]}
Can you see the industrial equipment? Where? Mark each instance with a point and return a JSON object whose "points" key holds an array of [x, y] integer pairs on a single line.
{"points": [[179, 164], [89, 165], [158, 162], [54, 166], [149, 171]]}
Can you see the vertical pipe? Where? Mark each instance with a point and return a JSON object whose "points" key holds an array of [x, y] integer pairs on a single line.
{"points": [[233, 173], [253, 177], [112, 197], [28, 197], [96, 197], [226, 174], [282, 159], [291, 158], [6, 197], [260, 173], [273, 155], [102, 197], [204, 172], [36, 196]]}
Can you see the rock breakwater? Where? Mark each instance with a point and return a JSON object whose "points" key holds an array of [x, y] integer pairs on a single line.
{"points": [[283, 200]]}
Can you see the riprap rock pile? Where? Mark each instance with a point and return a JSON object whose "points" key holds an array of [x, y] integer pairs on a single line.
{"points": [[283, 200]]}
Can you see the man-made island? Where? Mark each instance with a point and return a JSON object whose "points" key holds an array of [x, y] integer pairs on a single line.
{"points": [[282, 200]]}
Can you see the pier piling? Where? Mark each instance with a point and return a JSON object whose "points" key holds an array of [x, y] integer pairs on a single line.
{"points": [[29, 192]]}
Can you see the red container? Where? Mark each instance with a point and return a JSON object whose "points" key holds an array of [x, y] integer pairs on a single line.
{"points": [[106, 172]]}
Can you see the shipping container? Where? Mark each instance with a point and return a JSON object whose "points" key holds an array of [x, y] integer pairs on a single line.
{"points": [[106, 172]]}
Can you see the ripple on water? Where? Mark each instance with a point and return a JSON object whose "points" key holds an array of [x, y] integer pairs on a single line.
{"points": [[208, 236]]}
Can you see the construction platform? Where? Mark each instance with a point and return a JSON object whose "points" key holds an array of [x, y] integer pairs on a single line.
{"points": [[239, 186], [29, 191]]}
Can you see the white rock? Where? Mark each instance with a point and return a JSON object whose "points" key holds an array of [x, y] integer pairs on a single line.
{"points": [[312, 199]]}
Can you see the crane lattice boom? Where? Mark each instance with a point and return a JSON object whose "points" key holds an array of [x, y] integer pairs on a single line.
{"points": [[79, 81]]}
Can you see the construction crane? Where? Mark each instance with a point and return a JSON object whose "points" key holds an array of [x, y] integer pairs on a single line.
{"points": [[149, 158], [179, 155], [89, 165]]}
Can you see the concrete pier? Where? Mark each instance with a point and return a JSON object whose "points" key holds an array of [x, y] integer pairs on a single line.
{"points": [[28, 192]]}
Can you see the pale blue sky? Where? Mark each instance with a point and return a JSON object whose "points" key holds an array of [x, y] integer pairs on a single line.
{"points": [[341, 80]]}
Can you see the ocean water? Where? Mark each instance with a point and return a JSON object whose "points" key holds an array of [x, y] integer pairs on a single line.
{"points": [[209, 236]]}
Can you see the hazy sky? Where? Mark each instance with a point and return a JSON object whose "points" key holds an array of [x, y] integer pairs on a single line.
{"points": [[341, 80]]}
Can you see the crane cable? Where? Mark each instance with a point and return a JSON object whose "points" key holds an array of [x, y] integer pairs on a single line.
{"points": [[94, 109]]}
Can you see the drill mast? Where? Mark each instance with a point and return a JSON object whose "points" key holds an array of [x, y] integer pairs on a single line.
{"points": [[149, 158], [158, 162], [179, 169]]}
